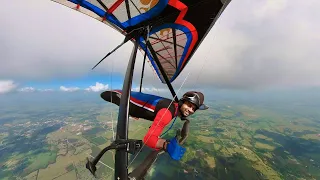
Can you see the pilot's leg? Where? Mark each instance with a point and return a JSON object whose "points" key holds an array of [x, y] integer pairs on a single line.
{"points": [[111, 96], [114, 97]]}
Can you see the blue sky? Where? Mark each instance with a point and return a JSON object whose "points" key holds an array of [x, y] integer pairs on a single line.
{"points": [[255, 45], [81, 82]]}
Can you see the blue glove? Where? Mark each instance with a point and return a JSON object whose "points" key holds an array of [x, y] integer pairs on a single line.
{"points": [[174, 149]]}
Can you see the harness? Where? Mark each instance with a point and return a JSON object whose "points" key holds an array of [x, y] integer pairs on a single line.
{"points": [[175, 114]]}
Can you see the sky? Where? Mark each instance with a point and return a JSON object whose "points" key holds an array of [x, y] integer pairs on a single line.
{"points": [[254, 46]]}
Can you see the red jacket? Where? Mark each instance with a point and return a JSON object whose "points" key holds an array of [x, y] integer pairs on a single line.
{"points": [[161, 120], [158, 109]]}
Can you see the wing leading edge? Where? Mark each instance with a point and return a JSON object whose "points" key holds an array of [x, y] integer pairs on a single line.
{"points": [[177, 26]]}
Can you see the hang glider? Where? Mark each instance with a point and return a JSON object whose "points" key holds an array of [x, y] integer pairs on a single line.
{"points": [[168, 32], [178, 27]]}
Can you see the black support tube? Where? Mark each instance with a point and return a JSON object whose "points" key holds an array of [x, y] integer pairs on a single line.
{"points": [[144, 62], [154, 55], [121, 157]]}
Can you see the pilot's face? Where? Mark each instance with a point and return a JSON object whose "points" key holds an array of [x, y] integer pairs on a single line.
{"points": [[187, 108]]}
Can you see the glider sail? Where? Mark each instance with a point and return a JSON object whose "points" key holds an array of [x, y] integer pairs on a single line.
{"points": [[168, 32], [177, 26]]}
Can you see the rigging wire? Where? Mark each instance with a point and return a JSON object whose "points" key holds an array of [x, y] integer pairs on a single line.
{"points": [[155, 77], [169, 127], [89, 155], [203, 63], [195, 86], [112, 125], [101, 162], [111, 111]]}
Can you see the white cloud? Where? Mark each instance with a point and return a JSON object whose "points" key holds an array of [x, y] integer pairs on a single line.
{"points": [[269, 8], [69, 89], [28, 52], [248, 51], [254, 44], [7, 86], [98, 87], [27, 89], [32, 89], [45, 90]]}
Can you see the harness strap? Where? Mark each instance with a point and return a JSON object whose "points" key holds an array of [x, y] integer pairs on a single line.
{"points": [[175, 114]]}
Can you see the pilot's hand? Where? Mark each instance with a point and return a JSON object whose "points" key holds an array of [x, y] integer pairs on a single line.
{"points": [[174, 149]]}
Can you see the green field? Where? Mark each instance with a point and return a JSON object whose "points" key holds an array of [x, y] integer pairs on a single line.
{"points": [[231, 140]]}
